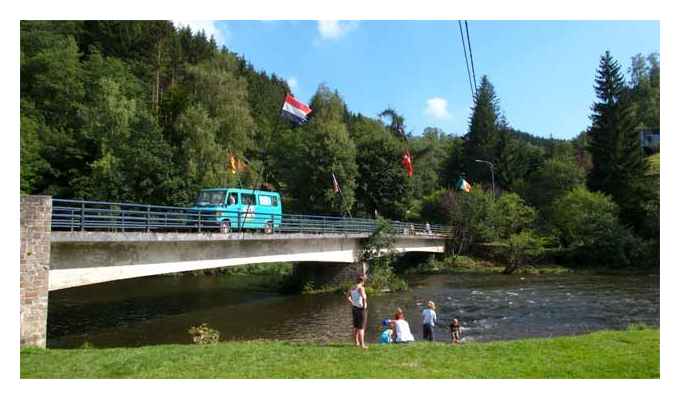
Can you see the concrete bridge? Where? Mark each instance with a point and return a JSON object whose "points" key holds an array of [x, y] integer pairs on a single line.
{"points": [[53, 260]]}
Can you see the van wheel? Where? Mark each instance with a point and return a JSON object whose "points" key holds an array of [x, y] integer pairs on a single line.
{"points": [[225, 226], [268, 228]]}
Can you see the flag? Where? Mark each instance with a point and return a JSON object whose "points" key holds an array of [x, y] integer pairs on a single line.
{"points": [[463, 185], [235, 164], [336, 186], [295, 110], [406, 161]]}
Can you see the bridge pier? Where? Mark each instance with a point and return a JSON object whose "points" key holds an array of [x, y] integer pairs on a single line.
{"points": [[36, 217], [320, 274]]}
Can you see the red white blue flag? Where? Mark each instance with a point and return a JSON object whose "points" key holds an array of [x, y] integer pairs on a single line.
{"points": [[295, 110]]}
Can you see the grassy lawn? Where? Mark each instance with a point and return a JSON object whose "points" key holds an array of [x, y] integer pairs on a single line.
{"points": [[633, 353]]}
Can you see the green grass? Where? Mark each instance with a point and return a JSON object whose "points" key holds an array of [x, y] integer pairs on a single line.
{"points": [[633, 353]]}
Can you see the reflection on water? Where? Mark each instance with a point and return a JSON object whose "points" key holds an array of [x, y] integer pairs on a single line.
{"points": [[160, 310]]}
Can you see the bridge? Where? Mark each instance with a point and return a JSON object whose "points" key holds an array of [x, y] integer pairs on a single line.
{"points": [[69, 243]]}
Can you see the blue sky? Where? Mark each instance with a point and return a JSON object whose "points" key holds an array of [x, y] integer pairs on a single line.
{"points": [[543, 71]]}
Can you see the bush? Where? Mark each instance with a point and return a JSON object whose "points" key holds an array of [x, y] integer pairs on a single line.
{"points": [[552, 179], [590, 230], [521, 248], [378, 251], [510, 215], [203, 334], [469, 214]]}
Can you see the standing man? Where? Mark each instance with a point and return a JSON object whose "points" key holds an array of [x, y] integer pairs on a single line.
{"points": [[357, 297]]}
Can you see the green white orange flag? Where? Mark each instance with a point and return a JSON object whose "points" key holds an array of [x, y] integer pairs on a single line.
{"points": [[463, 185]]}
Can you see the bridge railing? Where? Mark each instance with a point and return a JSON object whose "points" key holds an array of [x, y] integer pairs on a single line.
{"points": [[80, 215]]}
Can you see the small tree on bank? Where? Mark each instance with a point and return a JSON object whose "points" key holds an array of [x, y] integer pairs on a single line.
{"points": [[521, 248], [378, 251]]}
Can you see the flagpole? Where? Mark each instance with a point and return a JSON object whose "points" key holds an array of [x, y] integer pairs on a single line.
{"points": [[259, 175], [342, 197]]}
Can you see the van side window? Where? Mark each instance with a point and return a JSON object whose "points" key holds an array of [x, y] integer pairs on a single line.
{"points": [[275, 201], [248, 199], [265, 200], [232, 199]]}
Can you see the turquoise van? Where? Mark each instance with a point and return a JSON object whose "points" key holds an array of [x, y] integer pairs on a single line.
{"points": [[241, 208]]}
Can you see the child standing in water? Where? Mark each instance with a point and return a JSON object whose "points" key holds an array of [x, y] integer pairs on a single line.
{"points": [[429, 320], [455, 331]]}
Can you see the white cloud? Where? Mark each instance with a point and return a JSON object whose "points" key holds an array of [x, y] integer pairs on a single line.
{"points": [[331, 30], [292, 83], [437, 107], [210, 28]]}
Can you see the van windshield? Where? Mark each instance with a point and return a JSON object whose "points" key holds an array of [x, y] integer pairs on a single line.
{"points": [[206, 198]]}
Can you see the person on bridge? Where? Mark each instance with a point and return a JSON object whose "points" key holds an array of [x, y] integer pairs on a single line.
{"points": [[357, 297]]}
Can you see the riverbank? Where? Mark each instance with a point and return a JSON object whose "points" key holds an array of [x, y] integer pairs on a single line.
{"points": [[466, 264], [633, 353]]}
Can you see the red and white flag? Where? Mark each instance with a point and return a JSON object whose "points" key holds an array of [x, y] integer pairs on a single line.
{"points": [[406, 161]]}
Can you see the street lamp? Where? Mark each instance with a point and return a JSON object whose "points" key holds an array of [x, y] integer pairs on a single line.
{"points": [[493, 187]]}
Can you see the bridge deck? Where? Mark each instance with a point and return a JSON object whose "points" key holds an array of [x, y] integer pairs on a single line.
{"points": [[95, 236]]}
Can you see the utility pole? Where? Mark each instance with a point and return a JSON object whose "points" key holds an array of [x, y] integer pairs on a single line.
{"points": [[493, 186]]}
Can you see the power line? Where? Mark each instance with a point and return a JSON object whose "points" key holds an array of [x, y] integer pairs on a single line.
{"points": [[472, 61], [467, 65]]}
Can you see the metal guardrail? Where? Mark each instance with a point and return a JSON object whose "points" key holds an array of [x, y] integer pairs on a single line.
{"points": [[80, 215]]}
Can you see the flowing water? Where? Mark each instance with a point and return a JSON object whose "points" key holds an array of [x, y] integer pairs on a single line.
{"points": [[160, 310]]}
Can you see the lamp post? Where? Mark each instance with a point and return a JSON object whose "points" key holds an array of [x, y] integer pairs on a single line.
{"points": [[493, 186]]}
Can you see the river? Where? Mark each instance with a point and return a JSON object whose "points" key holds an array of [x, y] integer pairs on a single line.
{"points": [[160, 309]]}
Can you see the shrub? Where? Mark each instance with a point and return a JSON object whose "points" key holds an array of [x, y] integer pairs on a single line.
{"points": [[521, 248], [204, 335], [378, 251], [510, 215], [589, 228]]}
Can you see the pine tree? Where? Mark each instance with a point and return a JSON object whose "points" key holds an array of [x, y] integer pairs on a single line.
{"points": [[482, 138], [618, 165]]}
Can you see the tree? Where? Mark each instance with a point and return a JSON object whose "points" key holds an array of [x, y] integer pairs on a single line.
{"points": [[553, 178], [510, 215], [312, 153], [481, 140], [430, 151], [618, 165], [515, 159], [33, 166], [397, 124], [204, 160], [645, 90], [521, 248], [469, 214], [224, 95], [382, 183], [589, 228], [453, 166]]}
